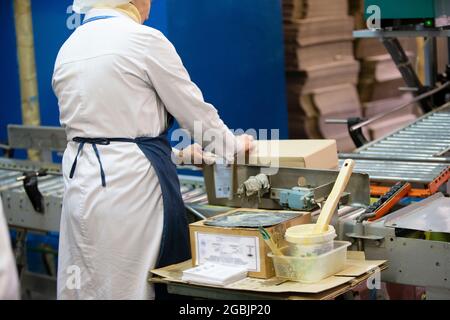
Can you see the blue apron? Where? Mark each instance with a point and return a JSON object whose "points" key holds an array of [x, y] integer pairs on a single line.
{"points": [[175, 238]]}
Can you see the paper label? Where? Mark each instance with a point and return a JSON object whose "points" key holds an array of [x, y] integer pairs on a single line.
{"points": [[223, 179], [228, 250]]}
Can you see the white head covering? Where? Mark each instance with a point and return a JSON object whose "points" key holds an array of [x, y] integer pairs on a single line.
{"points": [[83, 6]]}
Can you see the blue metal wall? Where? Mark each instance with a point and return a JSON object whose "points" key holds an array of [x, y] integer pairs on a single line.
{"points": [[233, 50], [50, 32], [9, 77]]}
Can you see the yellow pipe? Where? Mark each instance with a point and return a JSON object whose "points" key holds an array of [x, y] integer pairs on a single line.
{"points": [[27, 67]]}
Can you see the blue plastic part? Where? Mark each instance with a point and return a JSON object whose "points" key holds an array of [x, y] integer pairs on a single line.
{"points": [[297, 199], [409, 200]]}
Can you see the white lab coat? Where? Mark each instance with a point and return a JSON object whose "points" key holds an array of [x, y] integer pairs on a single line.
{"points": [[9, 282], [116, 78]]}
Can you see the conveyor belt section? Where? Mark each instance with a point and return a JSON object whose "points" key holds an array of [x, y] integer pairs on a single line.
{"points": [[20, 213], [427, 139], [193, 194], [18, 208], [425, 177], [29, 166]]}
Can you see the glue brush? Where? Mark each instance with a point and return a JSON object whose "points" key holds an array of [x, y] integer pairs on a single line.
{"points": [[269, 241]]}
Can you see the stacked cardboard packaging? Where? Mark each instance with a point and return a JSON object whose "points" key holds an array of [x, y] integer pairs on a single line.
{"points": [[331, 75], [322, 72]]}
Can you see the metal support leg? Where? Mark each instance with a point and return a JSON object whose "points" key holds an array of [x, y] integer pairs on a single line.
{"points": [[430, 61], [20, 250], [46, 156], [448, 50]]}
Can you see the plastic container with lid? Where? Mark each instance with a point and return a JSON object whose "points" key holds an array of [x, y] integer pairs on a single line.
{"points": [[310, 269]]}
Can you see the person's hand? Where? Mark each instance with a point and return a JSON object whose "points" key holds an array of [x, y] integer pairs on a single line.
{"points": [[192, 155], [247, 142]]}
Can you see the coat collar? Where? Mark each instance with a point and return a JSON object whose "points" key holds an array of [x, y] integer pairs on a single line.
{"points": [[105, 12]]}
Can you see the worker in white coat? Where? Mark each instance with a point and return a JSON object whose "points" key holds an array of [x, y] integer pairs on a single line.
{"points": [[118, 85], [9, 282]]}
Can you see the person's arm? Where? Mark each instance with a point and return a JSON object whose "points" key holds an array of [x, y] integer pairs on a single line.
{"points": [[184, 100], [9, 282], [191, 155]]}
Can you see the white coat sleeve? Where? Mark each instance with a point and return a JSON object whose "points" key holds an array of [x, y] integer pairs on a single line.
{"points": [[9, 282], [184, 100]]}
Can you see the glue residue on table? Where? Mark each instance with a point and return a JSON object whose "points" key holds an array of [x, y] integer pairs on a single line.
{"points": [[246, 219]]}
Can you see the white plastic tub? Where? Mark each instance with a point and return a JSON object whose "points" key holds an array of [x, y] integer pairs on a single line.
{"points": [[304, 242], [310, 269]]}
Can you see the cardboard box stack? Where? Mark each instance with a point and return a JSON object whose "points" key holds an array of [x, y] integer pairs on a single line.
{"points": [[380, 80], [322, 72]]}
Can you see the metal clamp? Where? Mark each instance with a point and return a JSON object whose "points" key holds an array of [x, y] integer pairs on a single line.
{"points": [[357, 135], [8, 151], [30, 184]]}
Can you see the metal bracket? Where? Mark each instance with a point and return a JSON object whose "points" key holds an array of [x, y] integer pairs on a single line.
{"points": [[357, 135], [7, 150], [39, 138], [360, 233], [30, 184]]}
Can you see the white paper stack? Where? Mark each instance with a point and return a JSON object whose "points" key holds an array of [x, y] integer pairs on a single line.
{"points": [[214, 274]]}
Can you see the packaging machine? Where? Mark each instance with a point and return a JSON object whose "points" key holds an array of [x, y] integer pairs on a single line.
{"points": [[415, 239]]}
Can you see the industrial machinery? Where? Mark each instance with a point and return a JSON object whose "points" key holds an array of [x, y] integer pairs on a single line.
{"points": [[287, 188], [413, 14], [418, 230], [427, 19], [418, 153], [415, 241], [415, 238]]}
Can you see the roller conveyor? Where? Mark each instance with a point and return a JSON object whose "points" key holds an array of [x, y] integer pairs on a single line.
{"points": [[426, 140], [418, 153], [392, 171], [20, 212]]}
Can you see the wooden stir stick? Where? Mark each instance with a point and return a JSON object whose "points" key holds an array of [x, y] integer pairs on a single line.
{"points": [[333, 199]]}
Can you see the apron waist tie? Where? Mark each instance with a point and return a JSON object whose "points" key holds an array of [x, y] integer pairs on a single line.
{"points": [[94, 142]]}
